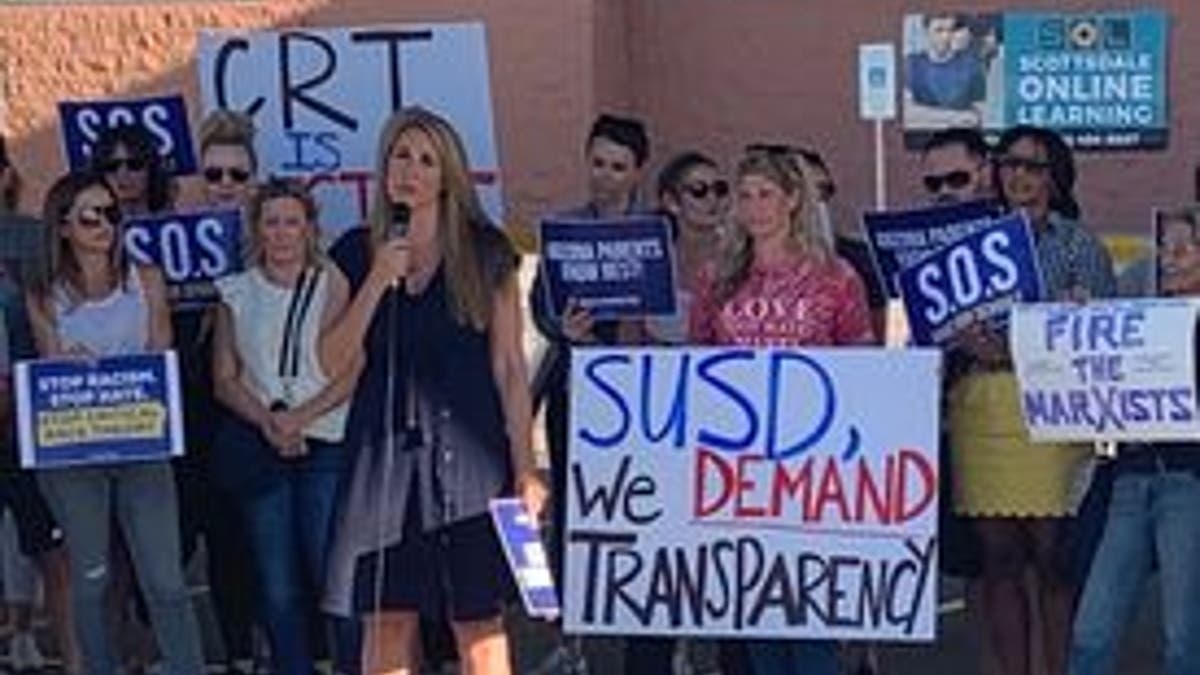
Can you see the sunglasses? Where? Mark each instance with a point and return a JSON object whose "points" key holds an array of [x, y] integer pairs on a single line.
{"points": [[1026, 163], [955, 180], [97, 216], [214, 174], [130, 164], [700, 189]]}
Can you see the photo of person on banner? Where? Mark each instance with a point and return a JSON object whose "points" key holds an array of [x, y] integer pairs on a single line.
{"points": [[1028, 500], [90, 303], [777, 252], [951, 64], [1151, 517]]}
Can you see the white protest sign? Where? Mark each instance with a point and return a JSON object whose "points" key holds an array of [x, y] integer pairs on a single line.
{"points": [[877, 81], [773, 493], [1107, 371], [320, 97]]}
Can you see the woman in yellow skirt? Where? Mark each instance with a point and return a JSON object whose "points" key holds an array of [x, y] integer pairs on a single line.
{"points": [[1022, 495]]}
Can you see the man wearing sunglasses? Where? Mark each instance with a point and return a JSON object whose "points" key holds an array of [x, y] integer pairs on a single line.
{"points": [[954, 165]]}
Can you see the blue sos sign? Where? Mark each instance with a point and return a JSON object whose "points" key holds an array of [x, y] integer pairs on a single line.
{"points": [[192, 249], [164, 118], [975, 279]]}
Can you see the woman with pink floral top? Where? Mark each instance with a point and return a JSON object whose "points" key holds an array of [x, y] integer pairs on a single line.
{"points": [[780, 285]]}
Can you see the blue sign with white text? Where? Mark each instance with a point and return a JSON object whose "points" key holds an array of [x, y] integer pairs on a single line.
{"points": [[900, 239], [523, 548], [110, 410], [163, 117], [610, 267], [975, 279], [1099, 78], [193, 249]]}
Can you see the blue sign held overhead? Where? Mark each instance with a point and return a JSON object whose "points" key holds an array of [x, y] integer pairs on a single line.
{"points": [[111, 410], [611, 267], [163, 117], [975, 279], [193, 250]]}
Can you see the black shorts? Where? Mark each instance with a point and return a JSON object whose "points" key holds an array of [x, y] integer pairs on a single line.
{"points": [[455, 573]]}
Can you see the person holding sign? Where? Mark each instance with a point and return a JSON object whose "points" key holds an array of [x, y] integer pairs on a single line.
{"points": [[228, 166], [781, 285], [280, 453], [441, 419], [1151, 515], [1022, 495], [616, 151], [89, 304]]}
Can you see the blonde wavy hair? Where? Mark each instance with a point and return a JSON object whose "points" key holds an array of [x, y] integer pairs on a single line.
{"points": [[794, 177]]}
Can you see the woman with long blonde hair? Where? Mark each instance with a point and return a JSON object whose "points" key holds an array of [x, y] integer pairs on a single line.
{"points": [[780, 285], [441, 417]]}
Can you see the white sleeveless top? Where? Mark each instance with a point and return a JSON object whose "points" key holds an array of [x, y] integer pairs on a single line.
{"points": [[260, 310], [118, 323]]}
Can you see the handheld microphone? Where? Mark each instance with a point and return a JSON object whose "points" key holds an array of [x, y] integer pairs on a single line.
{"points": [[398, 226]]}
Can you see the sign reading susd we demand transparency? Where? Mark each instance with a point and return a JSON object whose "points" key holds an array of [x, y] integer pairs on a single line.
{"points": [[320, 98], [753, 493], [1118, 370], [117, 409]]}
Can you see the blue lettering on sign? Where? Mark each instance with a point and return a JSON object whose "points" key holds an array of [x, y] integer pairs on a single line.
{"points": [[1092, 329], [1108, 408], [740, 421]]}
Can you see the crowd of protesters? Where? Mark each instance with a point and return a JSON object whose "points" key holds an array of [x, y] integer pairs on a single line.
{"points": [[351, 412]]}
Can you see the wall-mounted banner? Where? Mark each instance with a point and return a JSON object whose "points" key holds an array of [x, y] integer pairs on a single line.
{"points": [[771, 493], [164, 117], [525, 553], [320, 98], [1115, 371], [192, 249], [611, 267], [900, 239], [1098, 77], [73, 412], [976, 279]]}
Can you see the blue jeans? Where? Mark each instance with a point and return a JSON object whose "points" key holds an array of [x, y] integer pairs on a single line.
{"points": [[143, 494], [1152, 517], [793, 657], [289, 526]]}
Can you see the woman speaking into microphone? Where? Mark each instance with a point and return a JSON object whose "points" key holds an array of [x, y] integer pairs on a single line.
{"points": [[441, 417]]}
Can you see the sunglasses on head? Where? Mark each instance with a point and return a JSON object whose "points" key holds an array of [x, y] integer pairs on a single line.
{"points": [[955, 180], [699, 189], [1027, 163], [97, 216], [130, 164], [214, 174]]}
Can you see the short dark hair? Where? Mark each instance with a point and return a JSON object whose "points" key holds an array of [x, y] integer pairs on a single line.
{"points": [[928, 19], [140, 144], [1060, 158], [11, 196], [970, 138], [671, 175], [628, 132]]}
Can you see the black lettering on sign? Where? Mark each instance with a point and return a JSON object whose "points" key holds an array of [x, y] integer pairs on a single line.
{"points": [[294, 92], [221, 69], [393, 39]]}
